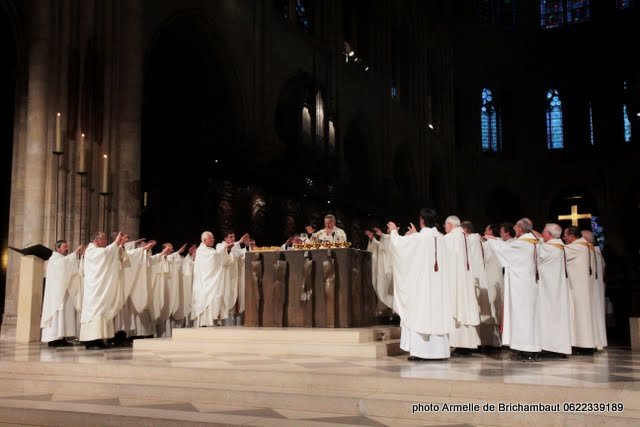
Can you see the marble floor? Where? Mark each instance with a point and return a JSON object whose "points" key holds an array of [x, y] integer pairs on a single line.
{"points": [[615, 369]]}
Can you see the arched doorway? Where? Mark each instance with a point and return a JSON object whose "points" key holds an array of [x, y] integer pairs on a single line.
{"points": [[190, 141], [7, 101]]}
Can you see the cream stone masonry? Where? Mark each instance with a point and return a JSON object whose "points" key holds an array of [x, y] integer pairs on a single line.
{"points": [[30, 299], [49, 200]]}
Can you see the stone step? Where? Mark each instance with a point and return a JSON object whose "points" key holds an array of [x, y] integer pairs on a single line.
{"points": [[373, 349], [294, 335]]}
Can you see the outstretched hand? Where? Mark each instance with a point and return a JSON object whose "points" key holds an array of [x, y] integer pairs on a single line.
{"points": [[150, 244]]}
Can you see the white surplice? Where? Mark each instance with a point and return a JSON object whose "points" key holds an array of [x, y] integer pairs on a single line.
{"points": [[599, 300], [488, 327], [582, 292], [553, 298], [421, 297], [103, 292], [520, 328], [381, 272], [208, 289], [464, 302], [58, 311]]}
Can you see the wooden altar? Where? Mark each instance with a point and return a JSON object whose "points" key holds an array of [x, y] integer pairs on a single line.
{"points": [[327, 288]]}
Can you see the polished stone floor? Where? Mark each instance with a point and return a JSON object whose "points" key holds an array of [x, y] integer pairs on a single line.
{"points": [[614, 368]]}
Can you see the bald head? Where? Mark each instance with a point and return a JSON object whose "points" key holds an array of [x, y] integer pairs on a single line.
{"points": [[523, 226], [588, 236]]}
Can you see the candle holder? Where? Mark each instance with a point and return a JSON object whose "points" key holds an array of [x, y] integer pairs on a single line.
{"points": [[58, 149]]}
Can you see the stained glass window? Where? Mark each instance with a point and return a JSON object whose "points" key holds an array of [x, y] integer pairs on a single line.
{"points": [[555, 133], [490, 126], [625, 116], [556, 13], [624, 4], [627, 124], [303, 13], [551, 13], [578, 11]]}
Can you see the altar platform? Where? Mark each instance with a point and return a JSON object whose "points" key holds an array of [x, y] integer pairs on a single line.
{"points": [[177, 386]]}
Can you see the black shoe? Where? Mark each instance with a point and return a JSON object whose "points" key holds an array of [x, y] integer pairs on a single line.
{"points": [[59, 343], [580, 351], [464, 352], [95, 345]]}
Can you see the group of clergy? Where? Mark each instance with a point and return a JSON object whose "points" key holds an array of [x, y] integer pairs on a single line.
{"points": [[110, 291], [512, 286]]}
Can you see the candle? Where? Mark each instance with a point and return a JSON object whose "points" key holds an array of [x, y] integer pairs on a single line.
{"points": [[82, 159], [144, 203], [58, 149], [105, 174]]}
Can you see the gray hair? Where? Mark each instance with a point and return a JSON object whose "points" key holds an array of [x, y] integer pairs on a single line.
{"points": [[331, 217], [204, 236], [453, 220], [588, 236], [97, 235], [525, 224], [554, 229]]}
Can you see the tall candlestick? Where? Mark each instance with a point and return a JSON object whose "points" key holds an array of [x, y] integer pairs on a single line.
{"points": [[105, 175], [82, 156], [144, 203], [58, 149]]}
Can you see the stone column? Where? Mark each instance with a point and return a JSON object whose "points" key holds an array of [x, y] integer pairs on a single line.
{"points": [[127, 171], [29, 168], [36, 144]]}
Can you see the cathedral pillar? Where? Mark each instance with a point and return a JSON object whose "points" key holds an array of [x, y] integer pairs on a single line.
{"points": [[30, 159], [127, 171], [36, 143]]}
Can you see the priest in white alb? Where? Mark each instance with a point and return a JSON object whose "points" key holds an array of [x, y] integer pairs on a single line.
{"points": [[133, 318], [208, 285], [495, 273], [232, 254], [486, 292], [464, 302], [103, 290], [58, 311], [421, 297], [381, 271], [520, 259], [582, 285], [553, 293], [598, 299], [186, 285]]}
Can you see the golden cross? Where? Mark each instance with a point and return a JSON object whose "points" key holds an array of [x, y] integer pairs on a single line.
{"points": [[574, 217]]}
